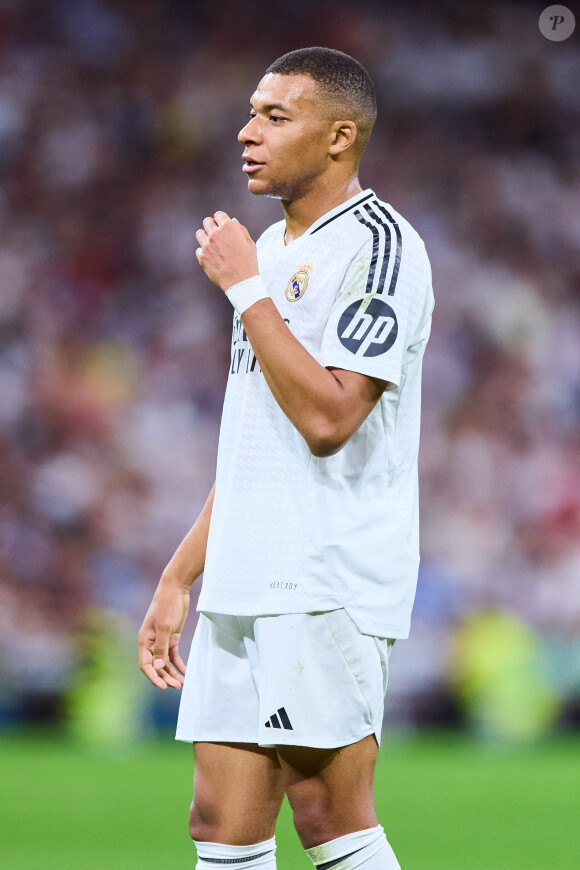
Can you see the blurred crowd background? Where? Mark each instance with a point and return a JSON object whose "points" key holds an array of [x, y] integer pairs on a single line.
{"points": [[118, 123]]}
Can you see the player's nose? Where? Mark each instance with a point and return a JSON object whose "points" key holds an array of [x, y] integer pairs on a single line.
{"points": [[251, 133]]}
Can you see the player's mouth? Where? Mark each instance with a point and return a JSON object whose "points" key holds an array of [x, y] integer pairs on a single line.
{"points": [[250, 165]]}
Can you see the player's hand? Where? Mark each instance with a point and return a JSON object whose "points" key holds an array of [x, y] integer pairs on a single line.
{"points": [[159, 635], [227, 252]]}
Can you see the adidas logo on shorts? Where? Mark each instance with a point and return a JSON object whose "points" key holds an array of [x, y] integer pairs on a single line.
{"points": [[279, 720]]}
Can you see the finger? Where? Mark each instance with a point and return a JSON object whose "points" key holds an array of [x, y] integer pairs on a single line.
{"points": [[198, 253], [169, 675], [201, 237], [145, 655], [161, 648], [153, 676], [177, 661], [245, 232], [209, 225], [146, 663], [221, 217], [162, 676]]}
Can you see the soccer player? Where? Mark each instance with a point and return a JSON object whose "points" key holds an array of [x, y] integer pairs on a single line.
{"points": [[309, 538]]}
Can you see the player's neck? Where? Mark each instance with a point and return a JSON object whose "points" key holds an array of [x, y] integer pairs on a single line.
{"points": [[301, 213]]}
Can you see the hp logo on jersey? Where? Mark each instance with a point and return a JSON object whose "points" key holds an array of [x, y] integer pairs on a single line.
{"points": [[368, 328]]}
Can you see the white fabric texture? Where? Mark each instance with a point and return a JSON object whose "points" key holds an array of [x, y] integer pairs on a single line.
{"points": [[219, 855], [300, 679], [294, 533], [367, 850]]}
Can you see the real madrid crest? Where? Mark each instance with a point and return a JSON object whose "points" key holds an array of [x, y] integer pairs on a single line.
{"points": [[298, 283]]}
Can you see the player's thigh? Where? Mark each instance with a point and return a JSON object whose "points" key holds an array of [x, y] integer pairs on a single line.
{"points": [[237, 792], [331, 791]]}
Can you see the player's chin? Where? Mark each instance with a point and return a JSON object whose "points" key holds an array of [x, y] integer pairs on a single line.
{"points": [[258, 186], [263, 188]]}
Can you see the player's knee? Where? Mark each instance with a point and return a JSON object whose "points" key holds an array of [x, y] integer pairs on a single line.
{"points": [[314, 821], [321, 815], [200, 825], [209, 825]]}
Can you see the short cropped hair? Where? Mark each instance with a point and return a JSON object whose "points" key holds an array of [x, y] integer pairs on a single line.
{"points": [[342, 79]]}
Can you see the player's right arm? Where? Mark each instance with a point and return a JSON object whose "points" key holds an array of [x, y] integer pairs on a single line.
{"points": [[159, 635]]}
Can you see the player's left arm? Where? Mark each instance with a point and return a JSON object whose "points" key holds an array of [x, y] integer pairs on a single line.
{"points": [[326, 405]]}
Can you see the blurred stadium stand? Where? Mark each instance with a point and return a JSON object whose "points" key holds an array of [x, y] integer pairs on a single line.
{"points": [[118, 125]]}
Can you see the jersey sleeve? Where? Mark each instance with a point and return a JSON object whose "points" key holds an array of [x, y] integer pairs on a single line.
{"points": [[381, 313]]}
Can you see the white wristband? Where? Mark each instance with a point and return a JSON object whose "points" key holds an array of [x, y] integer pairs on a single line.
{"points": [[247, 292]]}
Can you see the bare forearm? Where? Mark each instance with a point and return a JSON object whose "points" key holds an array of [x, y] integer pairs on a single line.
{"points": [[188, 561], [326, 406], [308, 393]]}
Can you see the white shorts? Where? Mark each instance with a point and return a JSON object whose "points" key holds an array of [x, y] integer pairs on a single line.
{"points": [[302, 679]]}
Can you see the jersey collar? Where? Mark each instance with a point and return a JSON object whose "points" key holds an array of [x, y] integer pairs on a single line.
{"points": [[341, 209]]}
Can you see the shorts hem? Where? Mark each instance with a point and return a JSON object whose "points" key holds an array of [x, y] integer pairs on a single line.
{"points": [[326, 744], [335, 743], [214, 739]]}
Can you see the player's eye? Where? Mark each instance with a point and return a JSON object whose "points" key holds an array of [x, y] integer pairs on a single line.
{"points": [[276, 118], [251, 115]]}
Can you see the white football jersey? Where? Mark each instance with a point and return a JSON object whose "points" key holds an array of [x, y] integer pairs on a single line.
{"points": [[293, 533]]}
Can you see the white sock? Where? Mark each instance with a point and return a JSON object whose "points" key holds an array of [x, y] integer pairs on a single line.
{"points": [[368, 850], [218, 856]]}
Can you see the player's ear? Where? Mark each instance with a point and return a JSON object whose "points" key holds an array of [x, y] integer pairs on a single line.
{"points": [[343, 136]]}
